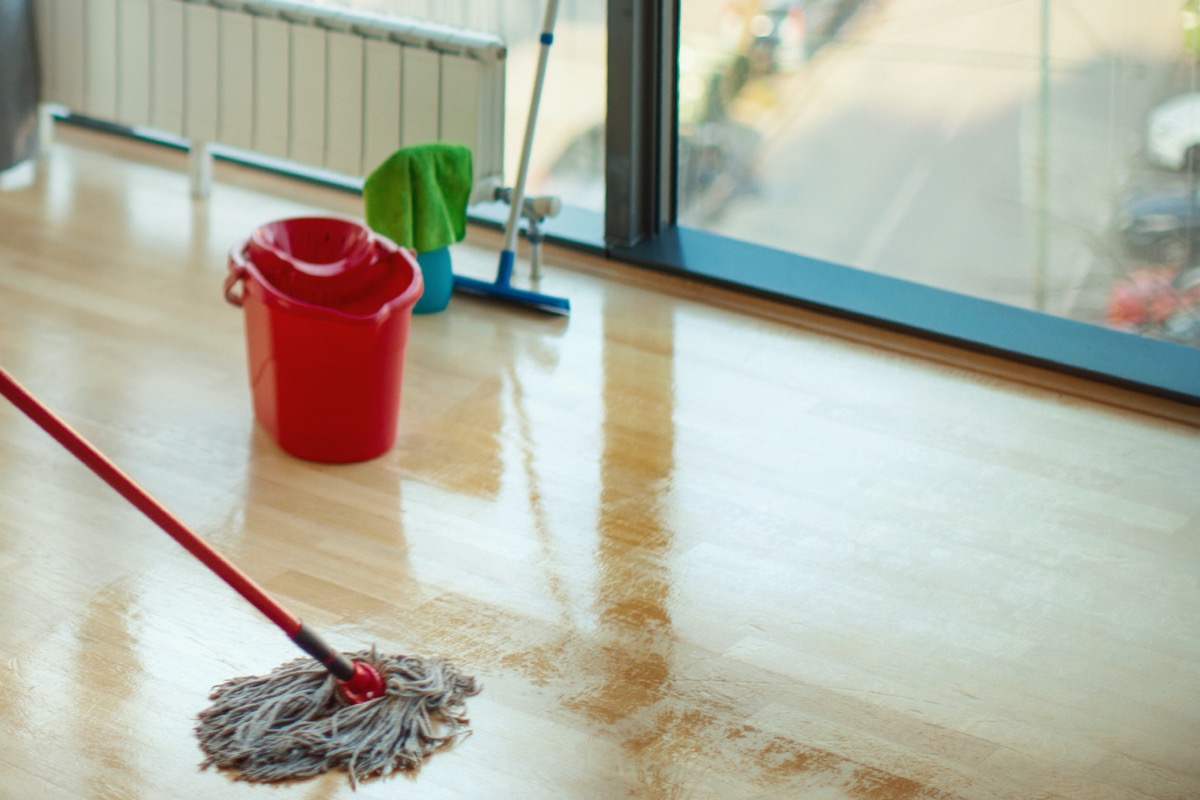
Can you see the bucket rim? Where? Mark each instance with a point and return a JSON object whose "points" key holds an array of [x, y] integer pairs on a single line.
{"points": [[408, 297], [266, 237]]}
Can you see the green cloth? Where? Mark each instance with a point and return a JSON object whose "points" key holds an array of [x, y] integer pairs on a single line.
{"points": [[418, 197]]}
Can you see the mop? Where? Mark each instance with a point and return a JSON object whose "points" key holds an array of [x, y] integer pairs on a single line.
{"points": [[366, 714], [502, 287]]}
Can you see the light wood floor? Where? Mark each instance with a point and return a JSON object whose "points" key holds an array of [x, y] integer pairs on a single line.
{"points": [[693, 546]]}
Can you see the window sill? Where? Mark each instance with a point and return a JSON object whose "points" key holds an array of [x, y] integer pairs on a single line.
{"points": [[1076, 348]]}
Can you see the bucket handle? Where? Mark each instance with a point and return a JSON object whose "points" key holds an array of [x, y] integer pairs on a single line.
{"points": [[237, 273]]}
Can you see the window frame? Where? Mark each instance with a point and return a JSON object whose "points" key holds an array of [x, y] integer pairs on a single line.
{"points": [[640, 227]]}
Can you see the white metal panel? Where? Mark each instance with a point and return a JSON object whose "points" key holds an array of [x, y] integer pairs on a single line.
{"points": [[489, 158], [200, 72], [133, 69], [43, 22], [100, 59], [420, 116], [307, 120], [235, 80], [344, 132], [271, 77], [381, 106], [70, 32], [166, 76], [460, 104]]}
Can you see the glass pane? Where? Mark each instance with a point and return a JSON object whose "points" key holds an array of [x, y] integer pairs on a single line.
{"points": [[567, 158], [1037, 153]]}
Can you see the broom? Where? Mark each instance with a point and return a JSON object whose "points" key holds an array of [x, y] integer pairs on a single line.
{"points": [[366, 714]]}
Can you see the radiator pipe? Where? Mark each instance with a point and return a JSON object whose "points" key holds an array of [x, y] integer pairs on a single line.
{"points": [[200, 168]]}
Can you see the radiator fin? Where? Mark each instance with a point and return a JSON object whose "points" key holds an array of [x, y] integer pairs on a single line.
{"points": [[344, 117], [166, 67], [419, 116], [381, 117], [100, 59], [133, 79], [201, 73], [235, 113], [307, 104]]}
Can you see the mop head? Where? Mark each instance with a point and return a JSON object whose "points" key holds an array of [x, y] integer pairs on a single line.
{"points": [[294, 723]]}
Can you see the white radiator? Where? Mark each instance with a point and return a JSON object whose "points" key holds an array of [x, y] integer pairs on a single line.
{"points": [[325, 88]]}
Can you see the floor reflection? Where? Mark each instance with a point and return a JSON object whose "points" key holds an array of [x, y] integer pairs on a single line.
{"points": [[106, 689], [328, 539], [633, 580], [452, 423]]}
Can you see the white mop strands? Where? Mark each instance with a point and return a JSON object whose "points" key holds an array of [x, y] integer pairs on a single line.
{"points": [[295, 723]]}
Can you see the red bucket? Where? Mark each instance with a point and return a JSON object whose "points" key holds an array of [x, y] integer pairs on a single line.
{"points": [[327, 306]]}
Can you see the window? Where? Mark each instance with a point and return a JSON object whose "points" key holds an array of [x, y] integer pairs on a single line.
{"points": [[1009, 175], [988, 149], [1000, 174]]}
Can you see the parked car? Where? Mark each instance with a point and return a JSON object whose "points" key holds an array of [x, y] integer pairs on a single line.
{"points": [[1173, 133], [780, 35], [1161, 225], [1191, 27], [775, 36], [1162, 301]]}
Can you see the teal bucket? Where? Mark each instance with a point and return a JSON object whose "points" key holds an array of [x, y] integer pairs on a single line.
{"points": [[438, 275]]}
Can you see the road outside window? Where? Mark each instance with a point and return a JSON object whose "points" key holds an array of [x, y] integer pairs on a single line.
{"points": [[1036, 153]]}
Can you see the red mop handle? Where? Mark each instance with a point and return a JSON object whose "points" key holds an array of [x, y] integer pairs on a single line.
{"points": [[303, 636]]}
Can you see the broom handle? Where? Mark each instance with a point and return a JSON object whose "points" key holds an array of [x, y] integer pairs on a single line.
{"points": [[518, 196], [302, 635]]}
